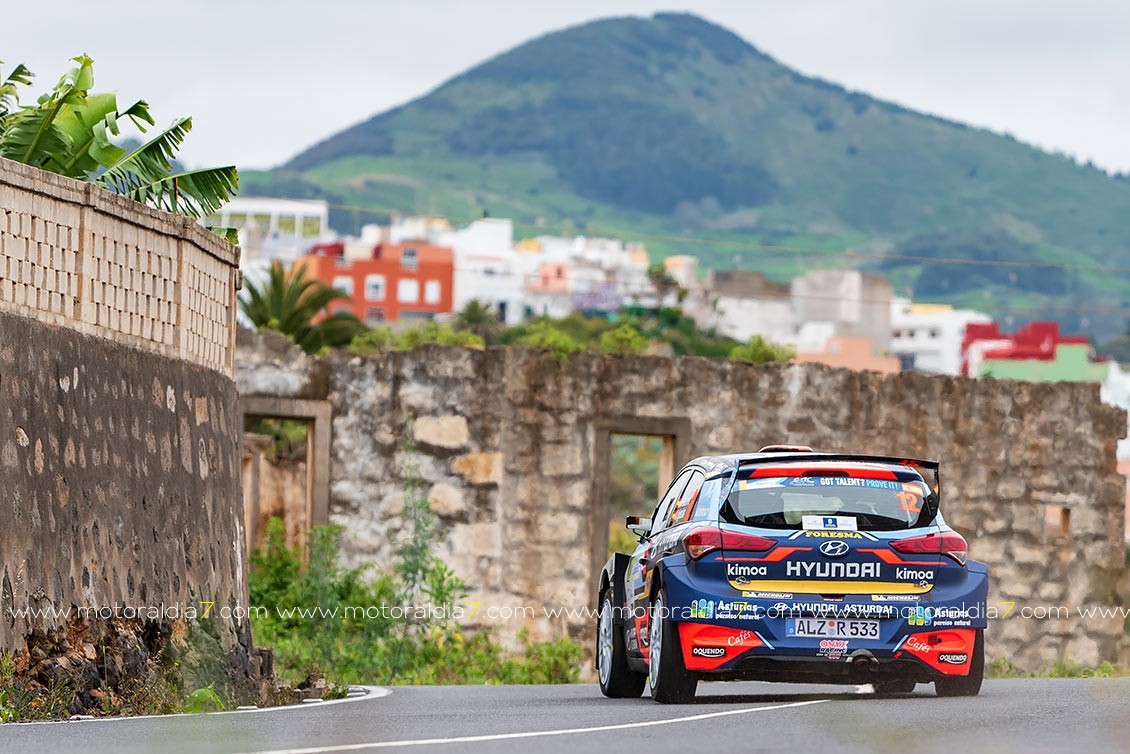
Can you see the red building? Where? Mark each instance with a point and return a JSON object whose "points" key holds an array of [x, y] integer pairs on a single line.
{"points": [[411, 280], [1036, 341]]}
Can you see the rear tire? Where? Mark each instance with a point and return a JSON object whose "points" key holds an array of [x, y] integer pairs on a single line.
{"points": [[969, 685], [617, 680], [671, 682]]}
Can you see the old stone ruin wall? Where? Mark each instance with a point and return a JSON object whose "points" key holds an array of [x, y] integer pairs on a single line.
{"points": [[119, 441], [513, 446]]}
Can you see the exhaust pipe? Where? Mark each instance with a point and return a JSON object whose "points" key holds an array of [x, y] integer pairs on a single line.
{"points": [[862, 659]]}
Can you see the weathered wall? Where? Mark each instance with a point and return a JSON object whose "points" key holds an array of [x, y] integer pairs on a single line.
{"points": [[119, 436], [507, 441], [120, 472]]}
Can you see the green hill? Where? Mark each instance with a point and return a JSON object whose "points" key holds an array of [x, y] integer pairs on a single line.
{"points": [[671, 126]]}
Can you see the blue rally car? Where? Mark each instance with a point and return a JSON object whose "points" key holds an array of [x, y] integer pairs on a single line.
{"points": [[790, 565]]}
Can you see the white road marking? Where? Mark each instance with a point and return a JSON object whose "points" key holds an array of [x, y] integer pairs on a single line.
{"points": [[372, 692], [533, 734]]}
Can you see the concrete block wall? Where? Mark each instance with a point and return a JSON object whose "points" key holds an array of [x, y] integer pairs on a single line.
{"points": [[75, 255]]}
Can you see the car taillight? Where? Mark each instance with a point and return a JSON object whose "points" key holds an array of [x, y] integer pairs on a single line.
{"points": [[948, 543], [700, 541]]}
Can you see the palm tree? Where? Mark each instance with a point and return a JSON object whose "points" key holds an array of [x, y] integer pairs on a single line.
{"points": [[69, 129], [662, 281], [477, 317], [292, 304]]}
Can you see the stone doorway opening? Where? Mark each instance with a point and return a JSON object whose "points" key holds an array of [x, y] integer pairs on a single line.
{"points": [[635, 459], [639, 467], [285, 467]]}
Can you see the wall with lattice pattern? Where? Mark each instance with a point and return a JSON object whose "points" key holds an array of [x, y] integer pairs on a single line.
{"points": [[75, 255]]}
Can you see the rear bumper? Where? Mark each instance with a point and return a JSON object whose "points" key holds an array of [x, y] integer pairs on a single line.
{"points": [[732, 635], [732, 654]]}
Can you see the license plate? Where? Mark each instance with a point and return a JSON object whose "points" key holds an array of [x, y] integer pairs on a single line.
{"points": [[832, 628]]}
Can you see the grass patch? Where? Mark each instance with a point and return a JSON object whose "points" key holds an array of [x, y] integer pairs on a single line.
{"points": [[1004, 668]]}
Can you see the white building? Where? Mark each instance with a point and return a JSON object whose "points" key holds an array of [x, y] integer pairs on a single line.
{"points": [[271, 229], [805, 312], [928, 337], [488, 267], [585, 274], [856, 304], [740, 304]]}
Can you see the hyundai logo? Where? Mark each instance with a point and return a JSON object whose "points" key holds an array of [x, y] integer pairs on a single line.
{"points": [[835, 548]]}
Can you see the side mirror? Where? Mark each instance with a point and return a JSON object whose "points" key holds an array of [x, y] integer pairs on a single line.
{"points": [[638, 526]]}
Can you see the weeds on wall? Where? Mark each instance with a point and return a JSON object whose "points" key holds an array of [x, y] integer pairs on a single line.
{"points": [[384, 339], [157, 691]]}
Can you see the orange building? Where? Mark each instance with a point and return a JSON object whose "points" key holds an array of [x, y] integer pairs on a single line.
{"points": [[850, 352], [410, 280]]}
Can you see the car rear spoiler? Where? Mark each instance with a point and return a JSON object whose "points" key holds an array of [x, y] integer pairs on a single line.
{"points": [[915, 463]]}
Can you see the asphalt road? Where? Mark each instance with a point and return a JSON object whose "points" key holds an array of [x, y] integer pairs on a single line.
{"points": [[1024, 716]]}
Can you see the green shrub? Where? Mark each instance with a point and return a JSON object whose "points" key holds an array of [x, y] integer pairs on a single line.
{"points": [[761, 351], [204, 700], [357, 649], [374, 341], [22, 699], [384, 339], [546, 337], [620, 539], [623, 339], [326, 618]]}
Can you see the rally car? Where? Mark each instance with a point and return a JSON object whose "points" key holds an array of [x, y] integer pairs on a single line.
{"points": [[790, 565]]}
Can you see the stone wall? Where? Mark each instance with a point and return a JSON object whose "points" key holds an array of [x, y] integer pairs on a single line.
{"points": [[121, 479], [75, 255], [513, 447]]}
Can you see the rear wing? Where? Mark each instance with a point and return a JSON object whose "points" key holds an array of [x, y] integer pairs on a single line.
{"points": [[914, 463]]}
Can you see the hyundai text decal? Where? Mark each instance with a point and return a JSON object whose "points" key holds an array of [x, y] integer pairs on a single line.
{"points": [[828, 570]]}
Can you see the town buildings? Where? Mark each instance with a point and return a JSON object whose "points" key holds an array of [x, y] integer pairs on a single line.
{"points": [[929, 337], [386, 281]]}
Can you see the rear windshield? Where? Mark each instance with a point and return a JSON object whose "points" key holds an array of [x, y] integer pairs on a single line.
{"points": [[803, 502]]}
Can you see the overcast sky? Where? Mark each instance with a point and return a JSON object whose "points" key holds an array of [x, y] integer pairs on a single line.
{"points": [[263, 80]]}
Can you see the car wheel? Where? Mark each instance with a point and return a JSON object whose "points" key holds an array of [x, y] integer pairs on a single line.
{"points": [[671, 682], [617, 680], [894, 686], [969, 685]]}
